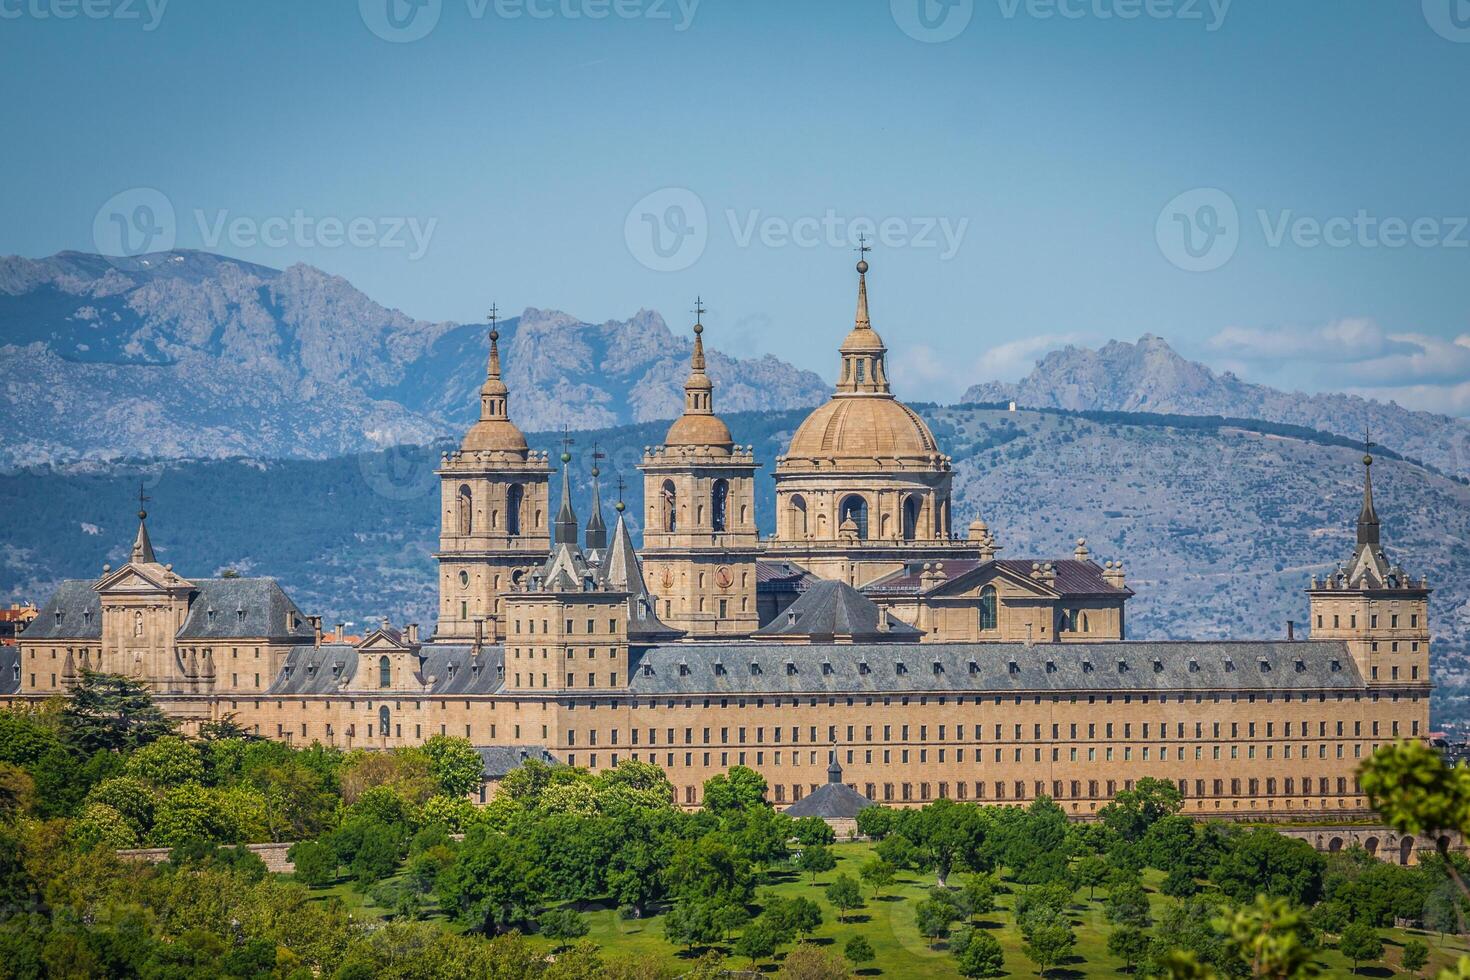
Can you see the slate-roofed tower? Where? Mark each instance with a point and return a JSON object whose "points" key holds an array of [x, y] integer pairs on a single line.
{"points": [[493, 513], [1376, 606], [699, 534]]}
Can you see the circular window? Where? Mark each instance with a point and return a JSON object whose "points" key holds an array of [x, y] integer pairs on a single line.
{"points": [[464, 579]]}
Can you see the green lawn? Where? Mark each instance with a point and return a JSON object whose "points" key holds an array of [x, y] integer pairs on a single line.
{"points": [[888, 924]]}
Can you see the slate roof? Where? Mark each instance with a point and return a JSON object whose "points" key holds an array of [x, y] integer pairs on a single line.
{"points": [[830, 801], [333, 668], [621, 569], [781, 577], [500, 760], [81, 614], [242, 607], [828, 608], [994, 668], [1074, 579], [9, 670]]}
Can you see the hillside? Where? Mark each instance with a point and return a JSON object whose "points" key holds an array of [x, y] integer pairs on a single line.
{"points": [[1220, 525], [1150, 376], [191, 355]]}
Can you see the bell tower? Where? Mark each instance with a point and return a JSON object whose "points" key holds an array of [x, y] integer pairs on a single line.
{"points": [[699, 534], [493, 515], [1375, 606]]}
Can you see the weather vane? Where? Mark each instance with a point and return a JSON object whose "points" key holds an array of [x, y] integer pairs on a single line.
{"points": [[699, 309], [493, 315], [863, 247], [621, 487], [566, 442], [143, 499], [597, 454]]}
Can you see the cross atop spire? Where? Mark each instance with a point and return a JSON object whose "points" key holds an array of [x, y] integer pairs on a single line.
{"points": [[142, 545], [698, 311], [861, 321], [621, 487], [1369, 530]]}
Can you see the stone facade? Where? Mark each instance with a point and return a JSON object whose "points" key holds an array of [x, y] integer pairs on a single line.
{"points": [[865, 634]]}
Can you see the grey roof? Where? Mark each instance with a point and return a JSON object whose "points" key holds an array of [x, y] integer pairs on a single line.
{"points": [[81, 614], [781, 576], [621, 569], [994, 668], [830, 801], [9, 669], [500, 760], [828, 608], [1073, 578], [231, 608], [333, 668]]}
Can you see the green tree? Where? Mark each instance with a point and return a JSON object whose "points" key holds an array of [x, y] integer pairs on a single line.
{"points": [[1416, 955], [1090, 872], [1179, 883], [1128, 943], [710, 869], [758, 941], [815, 860], [877, 873], [1127, 905], [191, 812], [1135, 810], [934, 918], [859, 951], [979, 894], [315, 862], [109, 713], [562, 924], [944, 833], [129, 797], [1261, 861], [739, 789], [844, 894], [1270, 938], [454, 764], [1360, 942], [877, 822], [980, 956], [1048, 943], [166, 762], [493, 881]]}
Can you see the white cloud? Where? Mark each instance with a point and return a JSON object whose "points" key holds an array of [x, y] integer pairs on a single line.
{"points": [[1014, 359], [921, 373], [1415, 369]]}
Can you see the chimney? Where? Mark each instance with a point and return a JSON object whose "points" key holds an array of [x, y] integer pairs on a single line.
{"points": [[479, 634], [341, 632], [316, 630], [412, 634], [1290, 630]]}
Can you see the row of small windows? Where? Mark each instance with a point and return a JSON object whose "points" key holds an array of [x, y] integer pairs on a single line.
{"points": [[1372, 621], [854, 508], [719, 506]]}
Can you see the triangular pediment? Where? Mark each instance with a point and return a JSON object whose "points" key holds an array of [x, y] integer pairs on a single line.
{"points": [[139, 579], [973, 581], [383, 641]]}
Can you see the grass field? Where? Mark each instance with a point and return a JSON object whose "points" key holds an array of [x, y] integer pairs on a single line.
{"points": [[888, 924]]}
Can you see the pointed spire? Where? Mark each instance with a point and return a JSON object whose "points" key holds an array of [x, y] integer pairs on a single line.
{"points": [[698, 392], [1368, 526], [596, 537], [142, 546], [494, 405], [861, 321], [566, 517]]}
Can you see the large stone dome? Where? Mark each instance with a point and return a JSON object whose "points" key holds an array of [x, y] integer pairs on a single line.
{"points": [[868, 427], [494, 435]]}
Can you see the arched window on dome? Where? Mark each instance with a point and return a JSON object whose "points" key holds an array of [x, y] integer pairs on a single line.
{"points": [[854, 508], [515, 497], [384, 719], [911, 517], [798, 516], [988, 618], [385, 672], [719, 504], [671, 506], [464, 510]]}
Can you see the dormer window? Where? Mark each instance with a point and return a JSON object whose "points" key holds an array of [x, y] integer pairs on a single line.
{"points": [[863, 667], [648, 670], [1229, 664], [755, 668], [900, 668], [974, 666], [1122, 666], [337, 668], [1051, 666], [1158, 666], [827, 667], [1013, 667], [1193, 666], [1087, 666], [683, 668], [719, 668], [790, 668], [1337, 665], [1265, 664], [1301, 665]]}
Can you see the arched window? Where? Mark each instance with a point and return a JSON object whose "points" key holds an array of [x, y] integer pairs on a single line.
{"points": [[671, 506], [910, 517], [987, 608], [385, 672], [383, 721], [854, 508], [464, 510], [514, 497], [719, 504], [798, 516]]}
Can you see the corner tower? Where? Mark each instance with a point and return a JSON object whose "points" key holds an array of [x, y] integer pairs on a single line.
{"points": [[699, 533], [1374, 605], [863, 487], [493, 515]]}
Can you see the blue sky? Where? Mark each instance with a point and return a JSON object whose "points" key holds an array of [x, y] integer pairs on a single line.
{"points": [[1275, 187]]}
